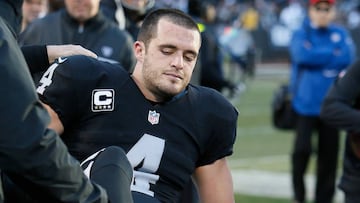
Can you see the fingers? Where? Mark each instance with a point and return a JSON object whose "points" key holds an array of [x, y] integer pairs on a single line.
{"points": [[56, 51], [79, 50]]}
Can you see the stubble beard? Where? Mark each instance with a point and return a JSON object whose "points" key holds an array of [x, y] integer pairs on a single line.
{"points": [[156, 84]]}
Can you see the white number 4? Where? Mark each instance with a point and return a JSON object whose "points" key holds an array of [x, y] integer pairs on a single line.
{"points": [[46, 79], [148, 151]]}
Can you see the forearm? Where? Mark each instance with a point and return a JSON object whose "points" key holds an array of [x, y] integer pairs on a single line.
{"points": [[303, 52], [214, 183], [36, 57], [39, 57]]}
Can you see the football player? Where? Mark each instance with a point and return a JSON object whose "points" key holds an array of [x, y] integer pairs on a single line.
{"points": [[169, 129]]}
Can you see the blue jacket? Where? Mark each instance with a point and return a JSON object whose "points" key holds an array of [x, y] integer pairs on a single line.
{"points": [[317, 56]]}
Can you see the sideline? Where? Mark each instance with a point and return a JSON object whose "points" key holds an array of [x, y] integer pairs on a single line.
{"points": [[272, 184], [267, 183]]}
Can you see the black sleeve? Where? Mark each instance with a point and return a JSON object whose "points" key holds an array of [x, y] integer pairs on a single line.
{"points": [[67, 87], [338, 108], [222, 134], [36, 57], [27, 147]]}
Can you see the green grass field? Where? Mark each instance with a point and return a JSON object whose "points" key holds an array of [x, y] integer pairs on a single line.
{"points": [[257, 140], [257, 137], [254, 199]]}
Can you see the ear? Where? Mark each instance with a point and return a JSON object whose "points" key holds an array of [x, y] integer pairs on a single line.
{"points": [[139, 49]]}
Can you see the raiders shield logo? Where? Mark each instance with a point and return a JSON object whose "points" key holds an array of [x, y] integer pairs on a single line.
{"points": [[153, 117]]}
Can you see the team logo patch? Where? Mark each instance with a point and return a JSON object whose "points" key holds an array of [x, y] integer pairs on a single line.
{"points": [[107, 51], [153, 117], [102, 100]]}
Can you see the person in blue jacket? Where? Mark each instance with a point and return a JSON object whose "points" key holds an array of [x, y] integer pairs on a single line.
{"points": [[319, 50]]}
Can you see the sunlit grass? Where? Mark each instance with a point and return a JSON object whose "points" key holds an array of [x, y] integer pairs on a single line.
{"points": [[255, 199]]}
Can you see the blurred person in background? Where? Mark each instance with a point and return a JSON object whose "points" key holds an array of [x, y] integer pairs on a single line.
{"points": [[341, 109], [128, 14], [250, 17], [319, 50], [211, 57], [81, 22], [135, 12], [31, 10], [113, 10], [240, 44], [227, 11]]}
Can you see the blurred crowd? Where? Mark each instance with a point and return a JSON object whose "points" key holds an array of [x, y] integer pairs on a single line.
{"points": [[244, 31], [276, 19]]}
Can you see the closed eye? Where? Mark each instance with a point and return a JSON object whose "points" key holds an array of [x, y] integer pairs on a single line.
{"points": [[190, 57], [167, 50]]}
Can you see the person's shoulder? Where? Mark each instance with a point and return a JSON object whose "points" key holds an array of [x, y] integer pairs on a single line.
{"points": [[338, 28], [302, 30], [203, 91], [209, 98], [82, 67], [48, 18], [304, 25], [211, 108]]}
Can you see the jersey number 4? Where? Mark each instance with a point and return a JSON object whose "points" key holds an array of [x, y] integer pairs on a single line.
{"points": [[145, 156], [46, 79]]}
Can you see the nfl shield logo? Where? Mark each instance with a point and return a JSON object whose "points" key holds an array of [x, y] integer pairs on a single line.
{"points": [[153, 117]]}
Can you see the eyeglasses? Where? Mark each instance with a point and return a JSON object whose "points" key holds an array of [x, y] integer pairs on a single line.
{"points": [[322, 9]]}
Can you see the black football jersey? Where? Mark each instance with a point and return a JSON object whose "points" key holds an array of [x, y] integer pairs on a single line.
{"points": [[100, 105]]}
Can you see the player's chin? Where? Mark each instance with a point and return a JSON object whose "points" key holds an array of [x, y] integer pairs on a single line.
{"points": [[173, 89]]}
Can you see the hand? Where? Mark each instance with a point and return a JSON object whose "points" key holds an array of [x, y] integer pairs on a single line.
{"points": [[56, 51]]}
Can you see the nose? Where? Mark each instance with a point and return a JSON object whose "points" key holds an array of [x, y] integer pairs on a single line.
{"points": [[177, 61]]}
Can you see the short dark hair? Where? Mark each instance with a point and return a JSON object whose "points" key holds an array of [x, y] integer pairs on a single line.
{"points": [[148, 29]]}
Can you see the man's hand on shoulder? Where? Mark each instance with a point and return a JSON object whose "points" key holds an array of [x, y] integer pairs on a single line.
{"points": [[56, 51]]}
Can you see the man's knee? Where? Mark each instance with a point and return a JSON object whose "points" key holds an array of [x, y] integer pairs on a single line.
{"points": [[110, 168], [111, 157]]}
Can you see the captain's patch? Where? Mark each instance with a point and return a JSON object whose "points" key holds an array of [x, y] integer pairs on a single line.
{"points": [[102, 100]]}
